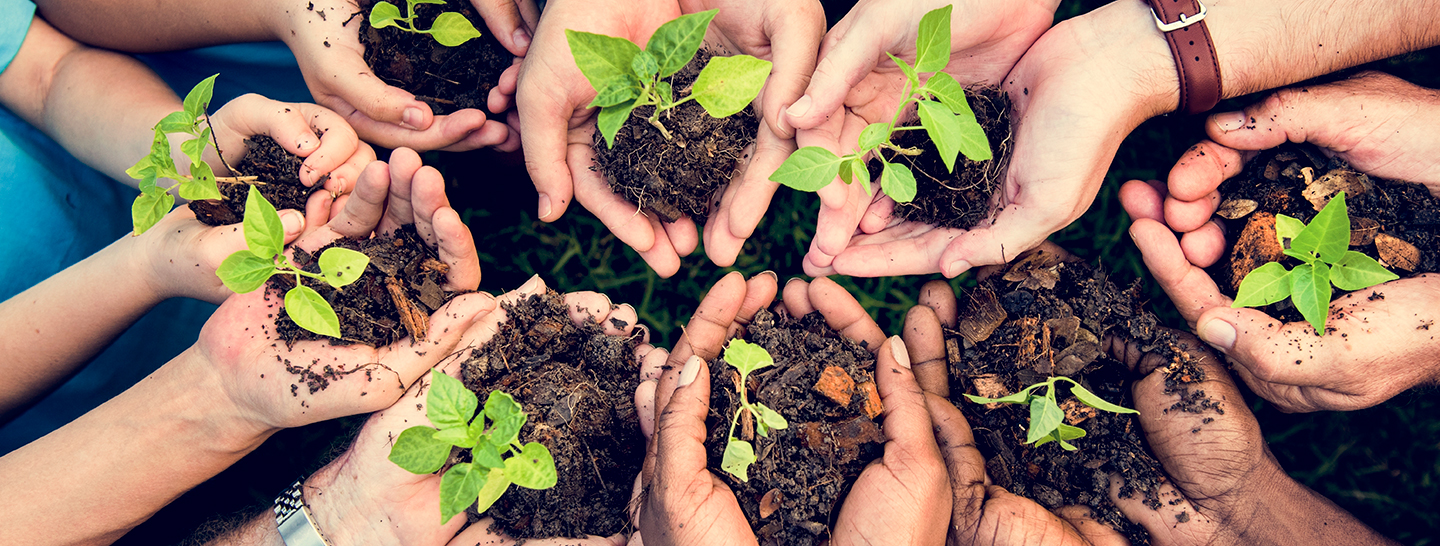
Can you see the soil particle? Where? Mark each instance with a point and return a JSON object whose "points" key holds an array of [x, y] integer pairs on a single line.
{"points": [[960, 199], [447, 78], [278, 178]]}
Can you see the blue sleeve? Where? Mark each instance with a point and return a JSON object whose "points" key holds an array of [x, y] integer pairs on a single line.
{"points": [[15, 18]]}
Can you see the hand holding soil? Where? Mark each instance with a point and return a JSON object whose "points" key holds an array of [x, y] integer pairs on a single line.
{"points": [[180, 256], [332, 151]]}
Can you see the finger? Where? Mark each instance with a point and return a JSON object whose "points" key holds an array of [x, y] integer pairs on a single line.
{"points": [[661, 256], [338, 142], [680, 428], [365, 206], [1201, 169], [651, 360], [652, 363], [851, 51], [938, 295], [342, 178], [1091, 530], [907, 422], [427, 196], [443, 131], [1184, 216], [879, 215], [621, 321], [844, 314], [457, 250], [503, 94], [1189, 287], [796, 297], [926, 342], [320, 207], [1175, 521], [490, 133], [965, 464], [759, 294], [1204, 246], [503, 19], [794, 42], [400, 207], [1144, 199], [588, 306], [683, 235], [624, 218], [706, 332], [746, 199]]}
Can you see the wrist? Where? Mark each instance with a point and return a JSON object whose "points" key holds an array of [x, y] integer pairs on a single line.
{"points": [[229, 426], [1123, 37]]}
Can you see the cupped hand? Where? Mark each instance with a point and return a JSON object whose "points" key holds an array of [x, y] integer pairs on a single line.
{"points": [[179, 255], [336, 150]]}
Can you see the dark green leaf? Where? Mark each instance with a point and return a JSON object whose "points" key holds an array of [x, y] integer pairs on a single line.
{"points": [[898, 182], [847, 171], [1045, 416], [738, 456], [342, 266], [808, 169], [1093, 400], [495, 485], [506, 417], [644, 65], [452, 29], [459, 488], [944, 130], [243, 271], [873, 135], [417, 451], [1328, 234], [728, 84], [149, 207], [197, 101], [311, 312], [951, 94], [264, 233], [532, 468], [1310, 291], [384, 14], [449, 404], [611, 119], [602, 59], [932, 44], [1354, 271], [675, 42], [1264, 285]]}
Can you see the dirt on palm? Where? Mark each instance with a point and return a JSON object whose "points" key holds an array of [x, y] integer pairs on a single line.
{"points": [[960, 199], [446, 78], [277, 175]]}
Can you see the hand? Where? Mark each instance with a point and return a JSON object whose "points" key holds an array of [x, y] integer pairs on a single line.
{"points": [[336, 152], [856, 84], [179, 255], [556, 128]]}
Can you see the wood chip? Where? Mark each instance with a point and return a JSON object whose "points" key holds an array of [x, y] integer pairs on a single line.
{"points": [[981, 316], [1363, 230], [1325, 187], [1076, 413], [770, 503], [836, 385], [1063, 328], [1256, 246], [987, 386], [873, 406], [1038, 259], [1396, 252], [1234, 209], [415, 321], [1075, 357]]}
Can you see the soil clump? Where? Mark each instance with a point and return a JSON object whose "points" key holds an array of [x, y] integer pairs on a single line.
{"points": [[960, 199], [447, 78], [277, 175]]}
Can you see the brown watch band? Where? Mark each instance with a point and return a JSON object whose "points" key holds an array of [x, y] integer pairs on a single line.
{"points": [[1183, 24]]}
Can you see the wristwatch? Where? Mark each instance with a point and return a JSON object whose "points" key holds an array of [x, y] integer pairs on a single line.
{"points": [[292, 517], [1183, 24]]}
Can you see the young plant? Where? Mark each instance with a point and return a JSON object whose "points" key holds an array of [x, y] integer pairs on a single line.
{"points": [[1324, 247], [246, 270], [747, 357], [626, 78], [155, 200], [944, 114], [450, 29], [493, 432], [1046, 418]]}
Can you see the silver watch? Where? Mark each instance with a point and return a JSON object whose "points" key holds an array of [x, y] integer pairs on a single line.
{"points": [[292, 517]]}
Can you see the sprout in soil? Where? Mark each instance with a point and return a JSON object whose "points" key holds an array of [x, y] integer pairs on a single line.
{"points": [[1046, 417], [246, 270], [493, 432], [747, 357], [944, 114], [1324, 247], [626, 78], [154, 200], [450, 29]]}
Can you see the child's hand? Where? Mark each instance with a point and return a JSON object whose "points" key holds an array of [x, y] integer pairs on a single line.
{"points": [[336, 151], [179, 255]]}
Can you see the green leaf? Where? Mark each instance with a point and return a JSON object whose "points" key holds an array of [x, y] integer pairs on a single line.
{"points": [[1045, 416], [485, 454], [1263, 285], [456, 436], [1061, 434], [176, 122], [1017, 398], [143, 170], [149, 207], [907, 69], [243, 271], [1328, 235], [495, 485], [950, 93], [861, 171], [675, 42], [847, 171], [619, 91], [197, 101], [1354, 271], [384, 14], [808, 169], [1287, 227], [932, 44], [611, 119], [666, 92], [419, 2], [342, 266], [770, 417], [459, 488], [602, 59], [1310, 291], [264, 233], [449, 404], [944, 130], [873, 135], [1093, 400], [728, 84], [417, 451], [201, 185], [532, 468], [747, 357], [194, 149], [506, 417], [311, 312], [898, 182], [644, 65], [738, 456], [452, 29]]}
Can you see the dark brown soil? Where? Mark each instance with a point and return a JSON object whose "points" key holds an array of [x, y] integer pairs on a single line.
{"points": [[578, 387], [1275, 183], [1045, 317], [803, 472], [960, 199], [446, 78], [278, 173], [394, 299], [681, 176]]}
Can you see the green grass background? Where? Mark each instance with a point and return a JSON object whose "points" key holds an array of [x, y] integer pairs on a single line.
{"points": [[1381, 464]]}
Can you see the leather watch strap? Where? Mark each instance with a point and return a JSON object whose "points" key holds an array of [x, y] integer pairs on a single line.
{"points": [[1183, 23]]}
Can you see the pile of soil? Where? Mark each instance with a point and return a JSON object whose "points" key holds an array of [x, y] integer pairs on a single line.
{"points": [[395, 297], [446, 78], [960, 199], [1046, 317], [823, 385], [577, 386], [278, 178], [1392, 221], [677, 177]]}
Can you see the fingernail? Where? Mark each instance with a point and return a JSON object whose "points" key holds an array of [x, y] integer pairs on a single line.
{"points": [[691, 369], [1229, 121], [1218, 333], [532, 284], [293, 221], [521, 38], [645, 337], [411, 118], [897, 348], [957, 267], [544, 206], [771, 274], [801, 107]]}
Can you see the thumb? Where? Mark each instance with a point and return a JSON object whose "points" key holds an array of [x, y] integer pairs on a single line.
{"points": [[1318, 115], [794, 45], [294, 223], [680, 429], [1267, 349], [411, 360], [850, 51], [1090, 529], [907, 422]]}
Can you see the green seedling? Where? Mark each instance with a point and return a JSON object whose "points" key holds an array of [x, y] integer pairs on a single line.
{"points": [[156, 200], [626, 78], [1324, 247], [450, 29], [747, 357], [1046, 418], [944, 114], [246, 270], [493, 432]]}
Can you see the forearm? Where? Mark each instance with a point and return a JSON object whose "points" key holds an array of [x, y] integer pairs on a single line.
{"points": [[136, 453], [163, 25], [259, 530], [1296, 515]]}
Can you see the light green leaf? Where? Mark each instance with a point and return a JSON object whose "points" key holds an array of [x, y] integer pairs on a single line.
{"points": [[943, 128], [644, 65], [1310, 291], [201, 185], [861, 171], [419, 2], [506, 417], [149, 207], [1264, 285], [1093, 400], [176, 122], [770, 417], [459, 488], [847, 171], [532, 468], [675, 42], [1045, 416], [898, 182], [342, 266], [1017, 398], [193, 149], [1061, 434], [728, 84], [485, 454], [264, 233], [311, 312], [873, 135], [449, 404], [907, 69], [619, 91], [666, 92], [495, 485], [1328, 235], [950, 93], [747, 357], [808, 169], [1354, 271], [243, 271], [197, 101], [452, 29], [143, 170], [457, 436], [602, 59], [738, 456], [611, 119], [1287, 227], [417, 451], [932, 44], [384, 14]]}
